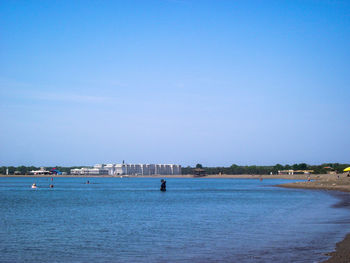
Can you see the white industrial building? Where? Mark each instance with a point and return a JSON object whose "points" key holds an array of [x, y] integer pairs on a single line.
{"points": [[97, 170], [130, 169]]}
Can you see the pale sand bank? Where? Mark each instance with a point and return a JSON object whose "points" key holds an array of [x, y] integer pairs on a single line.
{"points": [[342, 252], [323, 183]]}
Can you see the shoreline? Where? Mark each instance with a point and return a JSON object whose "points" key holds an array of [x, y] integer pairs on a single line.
{"points": [[238, 176], [339, 182], [341, 253]]}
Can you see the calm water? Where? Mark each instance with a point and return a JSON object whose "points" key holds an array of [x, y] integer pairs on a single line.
{"points": [[196, 220]]}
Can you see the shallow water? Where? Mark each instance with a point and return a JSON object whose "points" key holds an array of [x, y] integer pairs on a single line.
{"points": [[196, 220]]}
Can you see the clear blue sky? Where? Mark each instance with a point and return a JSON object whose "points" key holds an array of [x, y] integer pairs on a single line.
{"points": [[174, 81]]}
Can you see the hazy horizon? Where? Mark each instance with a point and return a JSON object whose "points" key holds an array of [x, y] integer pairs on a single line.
{"points": [[174, 81], [184, 166]]}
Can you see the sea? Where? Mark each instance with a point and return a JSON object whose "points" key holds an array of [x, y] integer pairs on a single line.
{"points": [[195, 220]]}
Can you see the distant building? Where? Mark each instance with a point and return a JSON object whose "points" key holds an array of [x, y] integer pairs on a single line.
{"points": [[89, 171], [40, 172], [130, 169], [198, 172], [330, 170], [291, 172]]}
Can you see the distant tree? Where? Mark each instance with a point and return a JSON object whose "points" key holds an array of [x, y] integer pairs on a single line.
{"points": [[295, 166], [11, 169], [186, 170], [198, 165], [303, 166], [22, 169], [278, 167]]}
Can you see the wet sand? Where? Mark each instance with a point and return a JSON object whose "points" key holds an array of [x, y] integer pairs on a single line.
{"points": [[342, 252], [324, 182]]}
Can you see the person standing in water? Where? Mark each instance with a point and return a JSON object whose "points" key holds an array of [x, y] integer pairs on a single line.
{"points": [[163, 185]]}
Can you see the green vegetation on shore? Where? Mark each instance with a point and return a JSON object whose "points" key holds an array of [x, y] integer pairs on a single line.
{"points": [[254, 169], [233, 169], [26, 169]]}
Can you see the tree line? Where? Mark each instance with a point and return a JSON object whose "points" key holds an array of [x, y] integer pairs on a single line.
{"points": [[26, 169], [233, 169], [254, 169]]}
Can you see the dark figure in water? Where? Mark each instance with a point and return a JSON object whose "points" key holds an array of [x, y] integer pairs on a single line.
{"points": [[51, 185], [163, 185]]}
